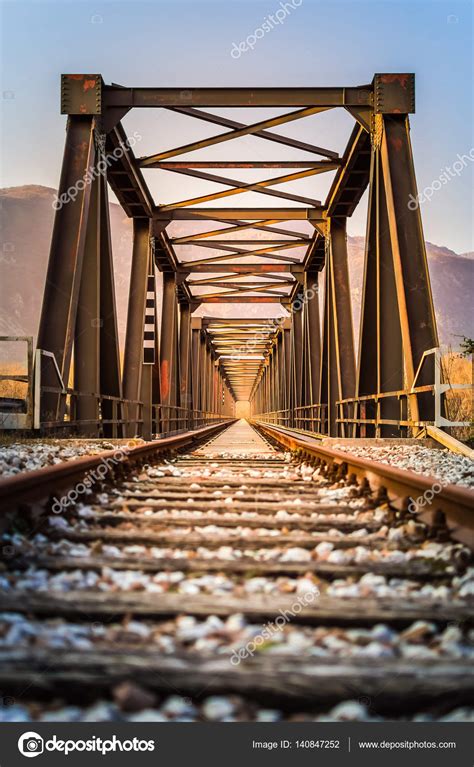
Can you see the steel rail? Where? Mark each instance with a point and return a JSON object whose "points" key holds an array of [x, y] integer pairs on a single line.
{"points": [[401, 485], [38, 484]]}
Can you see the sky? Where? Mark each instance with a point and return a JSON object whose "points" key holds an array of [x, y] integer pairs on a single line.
{"points": [[189, 44]]}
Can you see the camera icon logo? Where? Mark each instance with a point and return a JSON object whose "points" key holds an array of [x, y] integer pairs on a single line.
{"points": [[30, 744]]}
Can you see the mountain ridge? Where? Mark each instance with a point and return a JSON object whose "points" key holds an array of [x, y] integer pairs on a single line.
{"points": [[28, 215]]}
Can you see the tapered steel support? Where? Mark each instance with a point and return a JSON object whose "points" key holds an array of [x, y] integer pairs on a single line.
{"points": [[185, 382], [203, 371], [338, 362], [87, 329], [286, 383], [196, 331], [415, 303], [110, 378], [312, 344], [169, 360], [215, 386], [296, 391], [380, 364], [58, 314], [133, 368], [397, 317]]}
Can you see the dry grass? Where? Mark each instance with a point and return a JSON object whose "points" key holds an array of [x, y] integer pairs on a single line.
{"points": [[457, 369], [15, 389]]}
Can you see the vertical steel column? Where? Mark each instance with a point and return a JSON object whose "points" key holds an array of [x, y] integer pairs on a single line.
{"points": [[286, 336], [58, 313], [87, 329], [328, 377], [281, 372], [185, 358], [296, 362], [342, 308], [110, 379], [338, 362], [314, 338], [203, 370], [133, 369], [196, 330], [415, 303], [380, 365], [168, 349]]}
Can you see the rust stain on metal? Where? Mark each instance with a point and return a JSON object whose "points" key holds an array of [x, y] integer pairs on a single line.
{"points": [[165, 379], [88, 84], [78, 159], [401, 79]]}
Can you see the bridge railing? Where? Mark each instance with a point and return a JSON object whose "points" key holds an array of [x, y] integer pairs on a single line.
{"points": [[366, 413], [16, 388], [310, 418], [61, 409], [171, 419]]}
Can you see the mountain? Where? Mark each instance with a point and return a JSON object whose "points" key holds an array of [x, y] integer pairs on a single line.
{"points": [[452, 283], [27, 220]]}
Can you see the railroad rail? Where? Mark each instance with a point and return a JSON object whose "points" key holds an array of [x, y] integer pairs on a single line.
{"points": [[237, 561]]}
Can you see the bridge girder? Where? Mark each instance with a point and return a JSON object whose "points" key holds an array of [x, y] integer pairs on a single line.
{"points": [[253, 258]]}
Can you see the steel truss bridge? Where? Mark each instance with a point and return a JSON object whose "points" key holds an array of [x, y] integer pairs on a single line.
{"points": [[181, 371]]}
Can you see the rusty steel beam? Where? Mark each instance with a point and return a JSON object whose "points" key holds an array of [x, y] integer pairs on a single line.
{"points": [[263, 226], [63, 279], [110, 377], [240, 187], [415, 302], [231, 214], [123, 97], [196, 332], [301, 241], [313, 338], [265, 134], [185, 351], [133, 357], [239, 300], [240, 268], [243, 164], [380, 363], [169, 372], [337, 358], [87, 330], [245, 130]]}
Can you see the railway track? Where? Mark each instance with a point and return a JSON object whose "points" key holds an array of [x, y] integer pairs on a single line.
{"points": [[237, 580]]}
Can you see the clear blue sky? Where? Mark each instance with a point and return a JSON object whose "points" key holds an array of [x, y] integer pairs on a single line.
{"points": [[177, 43]]}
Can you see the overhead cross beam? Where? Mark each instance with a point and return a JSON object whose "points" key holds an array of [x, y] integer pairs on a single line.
{"points": [[200, 362]]}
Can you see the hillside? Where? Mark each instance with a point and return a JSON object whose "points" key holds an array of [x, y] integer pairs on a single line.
{"points": [[27, 219]]}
